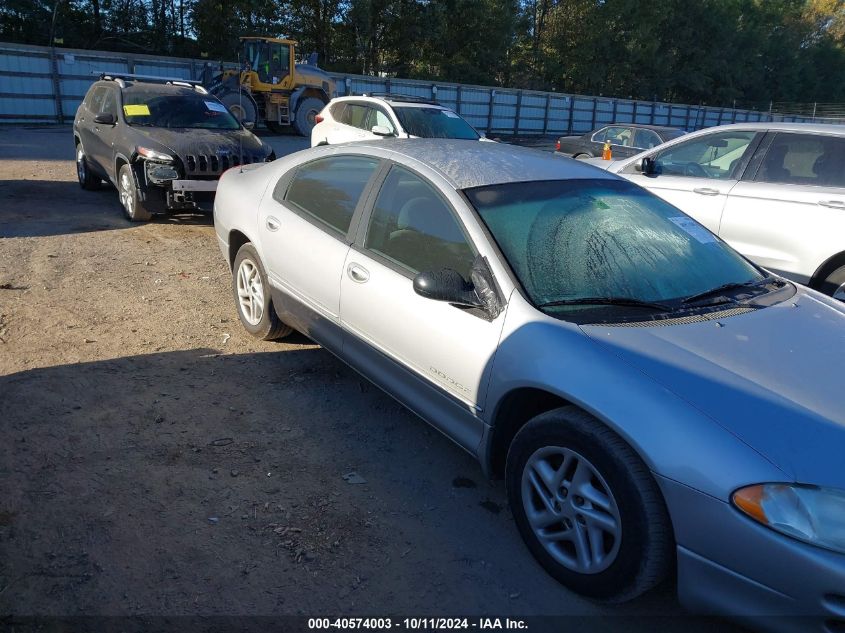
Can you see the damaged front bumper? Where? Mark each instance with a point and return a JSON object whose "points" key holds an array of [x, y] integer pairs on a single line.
{"points": [[174, 193]]}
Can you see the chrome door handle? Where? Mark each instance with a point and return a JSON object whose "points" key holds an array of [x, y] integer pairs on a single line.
{"points": [[273, 224], [357, 273], [833, 204], [706, 191]]}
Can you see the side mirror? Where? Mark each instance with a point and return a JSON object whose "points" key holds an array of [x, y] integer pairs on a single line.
{"points": [[446, 285], [647, 166], [249, 125], [381, 130], [106, 118]]}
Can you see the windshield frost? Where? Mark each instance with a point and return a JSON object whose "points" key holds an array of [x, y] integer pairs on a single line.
{"points": [[142, 107], [576, 239]]}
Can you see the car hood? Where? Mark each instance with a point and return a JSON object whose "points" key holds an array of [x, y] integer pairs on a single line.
{"points": [[772, 377], [184, 141]]}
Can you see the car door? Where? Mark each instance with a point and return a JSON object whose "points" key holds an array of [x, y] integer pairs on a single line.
{"points": [[304, 227], [788, 212], [696, 175], [104, 134], [89, 130], [433, 356]]}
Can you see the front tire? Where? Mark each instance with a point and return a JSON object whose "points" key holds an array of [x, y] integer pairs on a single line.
{"points": [[130, 197], [834, 284], [587, 507], [252, 297], [241, 105], [306, 113], [87, 180]]}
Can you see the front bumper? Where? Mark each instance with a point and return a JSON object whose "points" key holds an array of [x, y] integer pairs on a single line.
{"points": [[193, 185], [731, 566]]}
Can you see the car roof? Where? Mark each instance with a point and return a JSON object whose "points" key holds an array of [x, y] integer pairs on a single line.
{"points": [[644, 126], [761, 126], [469, 163], [418, 102], [154, 87]]}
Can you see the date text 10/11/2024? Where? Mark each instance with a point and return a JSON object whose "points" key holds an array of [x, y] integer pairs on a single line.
{"points": [[418, 624]]}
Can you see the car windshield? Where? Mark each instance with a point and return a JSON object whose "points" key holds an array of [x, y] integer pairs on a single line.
{"points": [[668, 135], [568, 240], [154, 109], [434, 123]]}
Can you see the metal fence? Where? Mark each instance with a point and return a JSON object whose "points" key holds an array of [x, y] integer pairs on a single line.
{"points": [[40, 84]]}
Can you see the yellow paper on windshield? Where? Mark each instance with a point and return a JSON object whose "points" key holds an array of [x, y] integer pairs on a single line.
{"points": [[141, 109]]}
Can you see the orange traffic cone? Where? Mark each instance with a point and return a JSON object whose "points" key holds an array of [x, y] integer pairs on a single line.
{"points": [[606, 154]]}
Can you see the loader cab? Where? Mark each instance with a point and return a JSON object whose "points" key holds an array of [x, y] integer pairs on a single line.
{"points": [[270, 59]]}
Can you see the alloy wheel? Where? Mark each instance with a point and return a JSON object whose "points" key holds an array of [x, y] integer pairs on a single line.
{"points": [[81, 168], [127, 195], [571, 509], [250, 292]]}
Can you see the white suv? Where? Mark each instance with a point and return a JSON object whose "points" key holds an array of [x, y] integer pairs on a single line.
{"points": [[347, 119]]}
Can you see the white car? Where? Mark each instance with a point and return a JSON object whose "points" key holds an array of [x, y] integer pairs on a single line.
{"points": [[364, 118], [773, 191]]}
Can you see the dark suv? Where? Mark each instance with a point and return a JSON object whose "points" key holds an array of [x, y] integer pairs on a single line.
{"points": [[164, 143]]}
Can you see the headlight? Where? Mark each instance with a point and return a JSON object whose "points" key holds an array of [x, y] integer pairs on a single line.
{"points": [[808, 513], [146, 152]]}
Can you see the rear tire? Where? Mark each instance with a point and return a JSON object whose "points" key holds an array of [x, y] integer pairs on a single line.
{"points": [[582, 156], [588, 507], [130, 197], [252, 297], [87, 180], [306, 112]]}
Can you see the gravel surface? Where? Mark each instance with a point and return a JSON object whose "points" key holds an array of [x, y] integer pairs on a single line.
{"points": [[157, 460]]}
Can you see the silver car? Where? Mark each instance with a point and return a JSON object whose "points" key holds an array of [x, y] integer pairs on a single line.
{"points": [[773, 191], [654, 401]]}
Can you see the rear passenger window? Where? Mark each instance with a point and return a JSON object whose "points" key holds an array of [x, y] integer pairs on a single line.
{"points": [[328, 189], [412, 226], [804, 159], [95, 100], [355, 115], [110, 103]]}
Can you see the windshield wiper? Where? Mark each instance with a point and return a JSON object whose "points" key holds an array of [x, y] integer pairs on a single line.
{"points": [[731, 286], [610, 301]]}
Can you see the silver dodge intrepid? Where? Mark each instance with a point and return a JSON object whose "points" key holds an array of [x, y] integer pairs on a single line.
{"points": [[656, 403]]}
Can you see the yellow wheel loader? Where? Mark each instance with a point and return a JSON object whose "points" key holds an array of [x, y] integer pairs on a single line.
{"points": [[271, 88]]}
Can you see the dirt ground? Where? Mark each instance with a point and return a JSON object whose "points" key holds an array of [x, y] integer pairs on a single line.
{"points": [[157, 460]]}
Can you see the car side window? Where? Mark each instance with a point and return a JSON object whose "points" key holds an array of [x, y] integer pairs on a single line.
{"points": [[337, 111], [412, 226], [95, 101], [355, 114], [620, 136], [328, 189], [714, 155], [110, 103], [599, 136], [646, 139], [377, 117], [804, 159]]}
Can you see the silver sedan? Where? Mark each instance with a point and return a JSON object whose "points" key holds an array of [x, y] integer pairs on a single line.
{"points": [[653, 400]]}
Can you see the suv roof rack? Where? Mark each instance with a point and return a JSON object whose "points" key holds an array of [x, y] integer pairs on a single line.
{"points": [[392, 96], [121, 78]]}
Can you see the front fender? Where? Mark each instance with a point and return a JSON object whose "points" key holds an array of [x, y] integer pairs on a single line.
{"points": [[673, 438]]}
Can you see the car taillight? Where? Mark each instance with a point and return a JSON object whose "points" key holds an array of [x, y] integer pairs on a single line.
{"points": [[318, 119], [557, 145]]}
